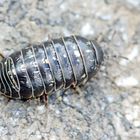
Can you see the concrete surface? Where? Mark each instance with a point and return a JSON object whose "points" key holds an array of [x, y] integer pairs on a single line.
{"points": [[109, 106]]}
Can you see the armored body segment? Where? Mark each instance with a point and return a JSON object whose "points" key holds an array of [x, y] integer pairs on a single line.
{"points": [[44, 67], [23, 77], [33, 71], [60, 49], [55, 65], [88, 55]]}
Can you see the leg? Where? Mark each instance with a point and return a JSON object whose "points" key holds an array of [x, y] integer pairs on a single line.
{"points": [[7, 100], [102, 36], [76, 89], [1, 55], [44, 99]]}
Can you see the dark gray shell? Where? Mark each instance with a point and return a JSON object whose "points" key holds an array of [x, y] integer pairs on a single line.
{"points": [[52, 65]]}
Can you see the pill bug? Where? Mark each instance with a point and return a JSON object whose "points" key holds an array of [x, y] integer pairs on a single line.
{"points": [[40, 69]]}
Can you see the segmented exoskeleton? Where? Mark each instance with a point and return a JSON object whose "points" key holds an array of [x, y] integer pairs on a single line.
{"points": [[40, 69]]}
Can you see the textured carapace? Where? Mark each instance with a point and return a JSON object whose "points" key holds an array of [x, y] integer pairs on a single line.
{"points": [[52, 65]]}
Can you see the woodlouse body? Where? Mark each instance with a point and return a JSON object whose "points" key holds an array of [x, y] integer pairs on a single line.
{"points": [[52, 65]]}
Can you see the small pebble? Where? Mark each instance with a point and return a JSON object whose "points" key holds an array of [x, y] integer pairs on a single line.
{"points": [[41, 109], [126, 81], [136, 123], [87, 30], [110, 98], [53, 138], [134, 2]]}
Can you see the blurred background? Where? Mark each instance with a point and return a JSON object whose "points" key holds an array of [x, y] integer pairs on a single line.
{"points": [[109, 106]]}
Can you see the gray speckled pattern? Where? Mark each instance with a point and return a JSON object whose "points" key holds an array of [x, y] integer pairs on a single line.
{"points": [[108, 107]]}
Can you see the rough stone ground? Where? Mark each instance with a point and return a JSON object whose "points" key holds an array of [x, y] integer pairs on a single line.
{"points": [[109, 106]]}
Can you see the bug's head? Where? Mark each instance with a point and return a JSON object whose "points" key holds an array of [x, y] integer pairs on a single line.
{"points": [[98, 52], [99, 55]]}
